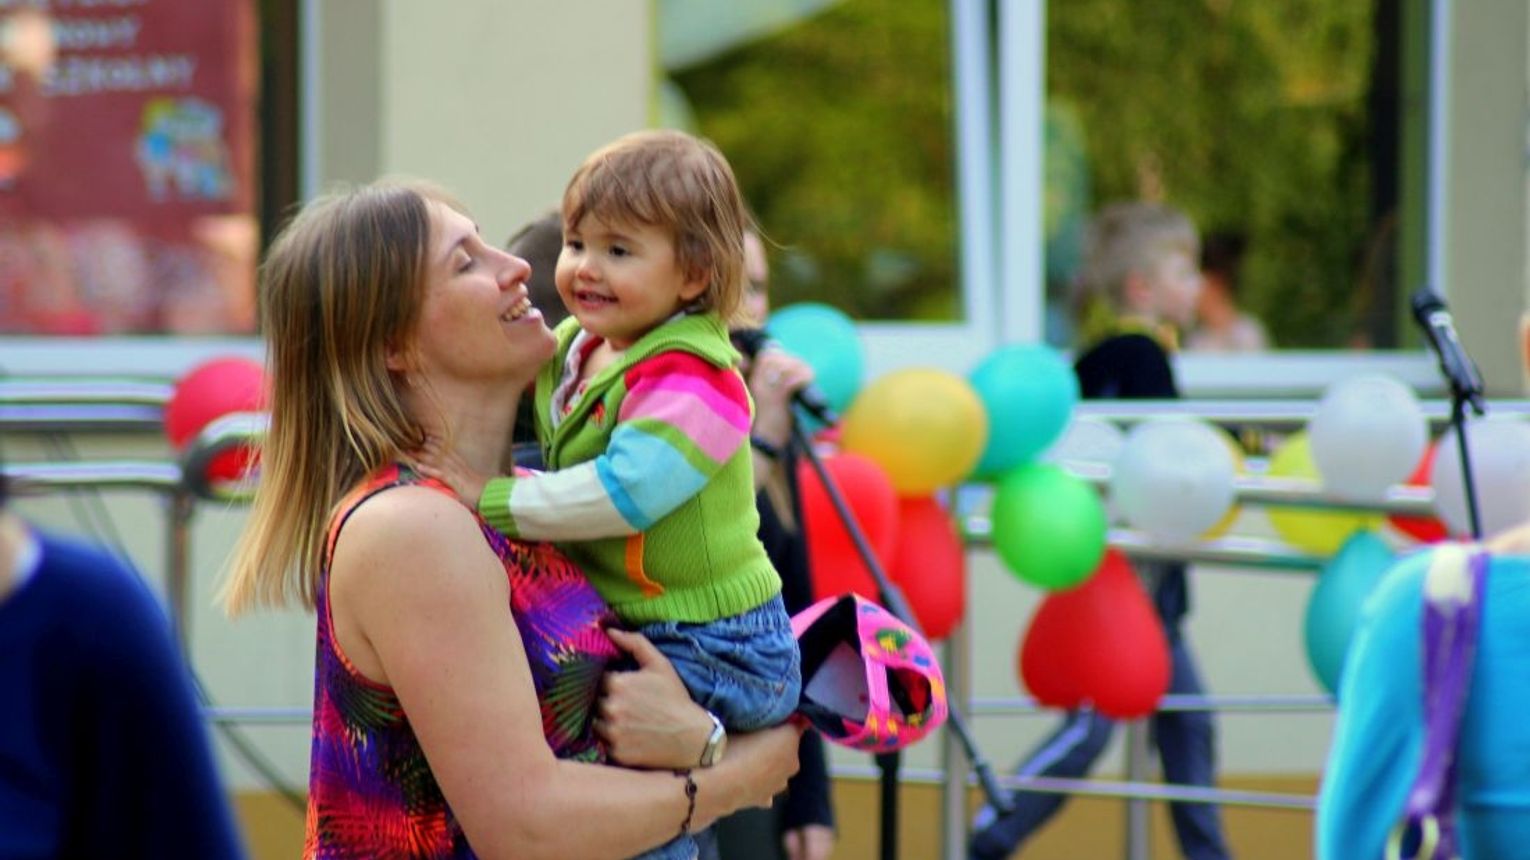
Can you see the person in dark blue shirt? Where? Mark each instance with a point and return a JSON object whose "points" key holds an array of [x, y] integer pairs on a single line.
{"points": [[103, 752]]}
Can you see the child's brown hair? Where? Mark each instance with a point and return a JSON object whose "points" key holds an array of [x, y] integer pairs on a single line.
{"points": [[677, 182]]}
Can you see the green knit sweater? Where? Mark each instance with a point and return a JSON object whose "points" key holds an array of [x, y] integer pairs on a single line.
{"points": [[650, 487]]}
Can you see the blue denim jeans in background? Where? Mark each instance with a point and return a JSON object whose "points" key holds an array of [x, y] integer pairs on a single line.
{"points": [[745, 669]]}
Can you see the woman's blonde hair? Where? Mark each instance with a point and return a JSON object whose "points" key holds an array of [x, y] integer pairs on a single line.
{"points": [[676, 182], [340, 288]]}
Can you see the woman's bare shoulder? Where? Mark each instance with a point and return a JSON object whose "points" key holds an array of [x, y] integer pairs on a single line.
{"points": [[402, 531]]}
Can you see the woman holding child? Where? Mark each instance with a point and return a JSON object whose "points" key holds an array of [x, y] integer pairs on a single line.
{"points": [[457, 670]]}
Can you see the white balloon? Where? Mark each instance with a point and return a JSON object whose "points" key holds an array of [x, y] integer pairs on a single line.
{"points": [[1500, 453], [1367, 434], [1087, 439], [1174, 478]]}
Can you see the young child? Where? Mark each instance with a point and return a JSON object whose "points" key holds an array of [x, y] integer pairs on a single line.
{"points": [[644, 422], [1137, 287]]}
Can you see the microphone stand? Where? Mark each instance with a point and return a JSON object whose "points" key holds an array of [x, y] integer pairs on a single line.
{"points": [[1465, 386], [892, 598], [1459, 399]]}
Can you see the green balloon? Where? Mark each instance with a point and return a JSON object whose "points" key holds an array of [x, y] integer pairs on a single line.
{"points": [[1048, 526]]}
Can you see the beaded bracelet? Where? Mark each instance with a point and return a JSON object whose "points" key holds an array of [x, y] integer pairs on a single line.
{"points": [[690, 797]]}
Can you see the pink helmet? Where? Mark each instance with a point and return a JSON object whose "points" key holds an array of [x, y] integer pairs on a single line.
{"points": [[869, 682]]}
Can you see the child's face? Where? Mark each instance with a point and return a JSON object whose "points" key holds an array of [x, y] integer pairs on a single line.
{"points": [[622, 280], [1173, 284]]}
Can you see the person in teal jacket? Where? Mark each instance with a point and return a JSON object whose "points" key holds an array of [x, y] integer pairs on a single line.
{"points": [[1379, 737], [644, 423]]}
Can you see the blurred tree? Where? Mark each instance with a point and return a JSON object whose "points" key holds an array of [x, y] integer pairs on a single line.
{"points": [[840, 131], [1251, 116]]}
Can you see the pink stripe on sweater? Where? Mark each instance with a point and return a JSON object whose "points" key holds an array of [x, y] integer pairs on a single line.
{"points": [[690, 411], [722, 390]]}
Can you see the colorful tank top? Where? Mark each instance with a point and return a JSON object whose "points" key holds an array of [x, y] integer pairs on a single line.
{"points": [[371, 792]]}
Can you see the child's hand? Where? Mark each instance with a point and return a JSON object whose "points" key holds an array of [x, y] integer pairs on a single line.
{"points": [[435, 461]]}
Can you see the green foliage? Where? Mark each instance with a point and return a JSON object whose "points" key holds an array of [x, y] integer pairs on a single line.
{"points": [[840, 130], [1251, 116]]}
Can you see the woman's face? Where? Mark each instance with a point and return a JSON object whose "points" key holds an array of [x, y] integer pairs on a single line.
{"points": [[757, 270], [476, 320]]}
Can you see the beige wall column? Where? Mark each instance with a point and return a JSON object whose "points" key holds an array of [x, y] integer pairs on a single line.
{"points": [[1489, 200], [498, 100]]}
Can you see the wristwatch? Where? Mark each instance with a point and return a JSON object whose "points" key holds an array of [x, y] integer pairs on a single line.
{"points": [[717, 742]]}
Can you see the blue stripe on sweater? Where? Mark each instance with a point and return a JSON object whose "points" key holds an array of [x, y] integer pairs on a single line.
{"points": [[646, 477]]}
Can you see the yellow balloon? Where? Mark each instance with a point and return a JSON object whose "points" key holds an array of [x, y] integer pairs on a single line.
{"points": [[926, 428], [1320, 532], [1234, 510]]}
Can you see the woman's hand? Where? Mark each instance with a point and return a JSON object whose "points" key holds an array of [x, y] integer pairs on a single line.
{"points": [[434, 460], [755, 770], [774, 377], [646, 717]]}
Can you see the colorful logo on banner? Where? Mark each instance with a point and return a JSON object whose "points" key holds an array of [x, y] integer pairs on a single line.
{"points": [[134, 109], [181, 151]]}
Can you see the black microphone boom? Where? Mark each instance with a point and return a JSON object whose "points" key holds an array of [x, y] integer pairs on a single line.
{"points": [[1465, 387], [751, 340], [1458, 368]]}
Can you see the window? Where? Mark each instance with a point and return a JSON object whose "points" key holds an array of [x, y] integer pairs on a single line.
{"points": [[837, 118], [145, 147], [865, 131]]}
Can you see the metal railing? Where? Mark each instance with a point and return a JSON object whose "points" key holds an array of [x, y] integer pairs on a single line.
{"points": [[115, 406]]}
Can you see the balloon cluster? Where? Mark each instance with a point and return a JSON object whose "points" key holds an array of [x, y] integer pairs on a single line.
{"points": [[907, 435], [1367, 435]]}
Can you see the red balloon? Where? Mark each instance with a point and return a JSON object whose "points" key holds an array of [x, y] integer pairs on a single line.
{"points": [[929, 564], [836, 565], [210, 391], [234, 464], [1422, 529], [1100, 643]]}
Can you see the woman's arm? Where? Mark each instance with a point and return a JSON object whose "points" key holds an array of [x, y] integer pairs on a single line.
{"points": [[417, 593]]}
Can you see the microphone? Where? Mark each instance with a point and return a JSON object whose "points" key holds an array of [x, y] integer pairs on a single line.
{"points": [[750, 341], [1459, 370]]}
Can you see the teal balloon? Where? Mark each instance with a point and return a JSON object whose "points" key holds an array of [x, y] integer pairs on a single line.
{"points": [[829, 342], [1029, 392], [1048, 526], [1333, 610]]}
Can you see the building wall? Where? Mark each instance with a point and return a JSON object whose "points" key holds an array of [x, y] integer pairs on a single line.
{"points": [[1487, 196], [498, 101]]}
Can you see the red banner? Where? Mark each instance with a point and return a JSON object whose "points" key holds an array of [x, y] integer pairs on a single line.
{"points": [[144, 112], [127, 132]]}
